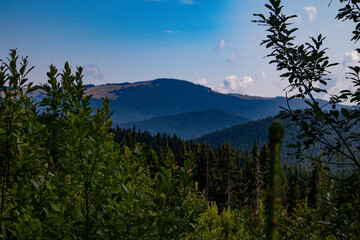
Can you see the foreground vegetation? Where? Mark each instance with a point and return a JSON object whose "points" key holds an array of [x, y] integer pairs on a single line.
{"points": [[66, 175]]}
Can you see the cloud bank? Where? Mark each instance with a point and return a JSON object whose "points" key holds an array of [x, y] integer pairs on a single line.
{"points": [[235, 84], [202, 81]]}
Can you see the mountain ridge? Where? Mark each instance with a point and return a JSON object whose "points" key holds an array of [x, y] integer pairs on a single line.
{"points": [[164, 96], [188, 125]]}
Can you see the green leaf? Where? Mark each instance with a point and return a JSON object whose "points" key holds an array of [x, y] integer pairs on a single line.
{"points": [[56, 207], [125, 189], [34, 183]]}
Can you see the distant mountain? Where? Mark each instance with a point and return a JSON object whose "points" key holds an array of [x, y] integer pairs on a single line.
{"points": [[188, 125], [161, 97]]}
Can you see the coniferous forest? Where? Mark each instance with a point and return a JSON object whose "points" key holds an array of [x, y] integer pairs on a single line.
{"points": [[68, 173]]}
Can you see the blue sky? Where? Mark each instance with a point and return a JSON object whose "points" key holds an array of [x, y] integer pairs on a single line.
{"points": [[210, 42]]}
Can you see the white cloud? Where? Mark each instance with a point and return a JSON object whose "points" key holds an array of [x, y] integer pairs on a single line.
{"points": [[234, 84], [339, 73], [351, 58], [202, 81], [263, 74], [232, 58], [221, 44], [172, 32], [181, 1], [92, 71], [187, 1], [310, 12]]}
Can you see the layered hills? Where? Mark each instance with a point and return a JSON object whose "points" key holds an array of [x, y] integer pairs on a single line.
{"points": [[180, 107], [161, 97], [189, 125], [243, 136]]}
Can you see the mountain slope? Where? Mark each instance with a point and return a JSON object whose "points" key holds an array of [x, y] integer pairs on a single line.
{"points": [[161, 97], [189, 125], [243, 136]]}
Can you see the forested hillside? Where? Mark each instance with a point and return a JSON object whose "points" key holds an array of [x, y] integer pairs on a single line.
{"points": [[188, 125], [243, 136]]}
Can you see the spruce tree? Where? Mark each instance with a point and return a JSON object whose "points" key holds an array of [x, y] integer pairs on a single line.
{"points": [[248, 181], [256, 191], [227, 170], [294, 193], [264, 166], [315, 185], [207, 163]]}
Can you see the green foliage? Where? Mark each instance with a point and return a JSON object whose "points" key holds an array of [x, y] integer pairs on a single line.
{"points": [[303, 223], [64, 177], [306, 67], [229, 224]]}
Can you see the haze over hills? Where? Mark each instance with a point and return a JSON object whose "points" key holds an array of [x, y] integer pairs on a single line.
{"points": [[188, 125]]}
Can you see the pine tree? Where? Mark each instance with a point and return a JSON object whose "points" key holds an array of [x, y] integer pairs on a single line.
{"points": [[284, 187], [256, 191], [264, 166], [294, 193], [227, 167], [248, 181], [184, 154], [153, 162], [207, 164], [316, 185], [167, 158]]}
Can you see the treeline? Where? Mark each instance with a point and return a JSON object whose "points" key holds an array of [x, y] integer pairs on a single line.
{"points": [[188, 125], [227, 176]]}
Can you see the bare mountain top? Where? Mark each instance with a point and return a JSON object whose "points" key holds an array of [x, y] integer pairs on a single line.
{"points": [[109, 90]]}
